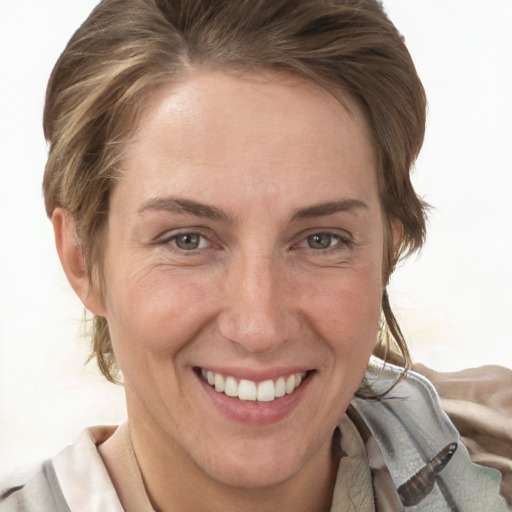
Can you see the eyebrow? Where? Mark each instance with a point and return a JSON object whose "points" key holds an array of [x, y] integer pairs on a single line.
{"points": [[189, 206], [329, 208], [185, 206]]}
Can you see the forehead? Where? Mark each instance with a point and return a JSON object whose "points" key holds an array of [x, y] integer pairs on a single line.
{"points": [[273, 133]]}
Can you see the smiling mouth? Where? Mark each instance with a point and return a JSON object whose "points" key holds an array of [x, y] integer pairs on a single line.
{"points": [[248, 390]]}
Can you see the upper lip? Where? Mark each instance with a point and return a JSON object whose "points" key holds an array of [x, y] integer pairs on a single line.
{"points": [[256, 375]]}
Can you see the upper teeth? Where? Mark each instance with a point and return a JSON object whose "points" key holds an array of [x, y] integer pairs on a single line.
{"points": [[245, 389]]}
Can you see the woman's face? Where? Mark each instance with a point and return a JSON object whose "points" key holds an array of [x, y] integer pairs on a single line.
{"points": [[244, 248]]}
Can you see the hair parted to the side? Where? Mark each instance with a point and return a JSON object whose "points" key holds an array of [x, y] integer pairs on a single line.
{"points": [[127, 48]]}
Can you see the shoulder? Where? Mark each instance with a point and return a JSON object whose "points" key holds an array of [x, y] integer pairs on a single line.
{"points": [[416, 437], [479, 403], [65, 482], [33, 490]]}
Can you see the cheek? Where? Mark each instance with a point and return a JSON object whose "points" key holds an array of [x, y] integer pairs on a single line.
{"points": [[346, 311], [154, 312]]}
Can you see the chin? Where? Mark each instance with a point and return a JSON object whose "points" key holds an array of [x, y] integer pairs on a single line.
{"points": [[254, 475], [257, 465]]}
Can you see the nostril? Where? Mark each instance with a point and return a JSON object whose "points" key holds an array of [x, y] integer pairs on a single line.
{"points": [[255, 331]]}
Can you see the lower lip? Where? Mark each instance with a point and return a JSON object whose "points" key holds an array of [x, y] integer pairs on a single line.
{"points": [[256, 413]]}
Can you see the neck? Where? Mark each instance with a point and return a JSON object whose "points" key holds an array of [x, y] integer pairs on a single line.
{"points": [[174, 482]]}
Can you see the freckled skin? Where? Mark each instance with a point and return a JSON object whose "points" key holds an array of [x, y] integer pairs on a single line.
{"points": [[254, 294]]}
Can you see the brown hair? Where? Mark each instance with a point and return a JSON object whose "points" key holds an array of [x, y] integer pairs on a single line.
{"points": [[126, 48]]}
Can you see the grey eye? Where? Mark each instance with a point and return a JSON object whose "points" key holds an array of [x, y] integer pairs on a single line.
{"points": [[320, 240], [188, 241]]}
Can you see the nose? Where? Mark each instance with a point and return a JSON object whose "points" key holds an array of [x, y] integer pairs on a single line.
{"points": [[256, 313]]}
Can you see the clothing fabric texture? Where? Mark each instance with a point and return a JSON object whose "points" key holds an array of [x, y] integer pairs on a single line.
{"points": [[399, 453], [479, 403]]}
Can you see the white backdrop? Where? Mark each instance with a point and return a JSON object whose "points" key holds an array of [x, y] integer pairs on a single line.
{"points": [[454, 301]]}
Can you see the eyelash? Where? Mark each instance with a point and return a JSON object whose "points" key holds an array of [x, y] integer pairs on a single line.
{"points": [[340, 242], [172, 240]]}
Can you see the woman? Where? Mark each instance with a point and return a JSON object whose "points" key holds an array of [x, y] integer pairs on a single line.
{"points": [[229, 187]]}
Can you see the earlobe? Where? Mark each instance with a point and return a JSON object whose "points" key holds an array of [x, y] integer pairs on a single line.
{"points": [[73, 261]]}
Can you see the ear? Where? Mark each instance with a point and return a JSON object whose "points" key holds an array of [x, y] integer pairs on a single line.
{"points": [[73, 261], [397, 232], [393, 241]]}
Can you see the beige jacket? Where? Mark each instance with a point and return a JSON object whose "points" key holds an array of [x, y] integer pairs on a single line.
{"points": [[479, 403]]}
